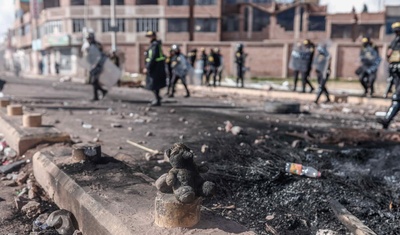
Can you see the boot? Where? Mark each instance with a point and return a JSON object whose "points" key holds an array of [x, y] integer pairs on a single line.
{"points": [[319, 93], [390, 115]]}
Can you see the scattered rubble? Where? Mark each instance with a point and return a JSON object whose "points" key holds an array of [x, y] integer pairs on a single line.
{"points": [[31, 209]]}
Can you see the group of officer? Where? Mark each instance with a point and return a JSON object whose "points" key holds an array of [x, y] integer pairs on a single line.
{"points": [[162, 71], [304, 58]]}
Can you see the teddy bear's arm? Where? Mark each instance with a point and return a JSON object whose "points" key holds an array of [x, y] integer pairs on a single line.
{"points": [[171, 177]]}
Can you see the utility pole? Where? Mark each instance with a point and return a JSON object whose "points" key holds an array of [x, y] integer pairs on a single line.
{"points": [[191, 20], [85, 29], [114, 28]]}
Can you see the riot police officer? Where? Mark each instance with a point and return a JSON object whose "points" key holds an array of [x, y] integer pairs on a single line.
{"points": [[180, 67], [204, 59], [98, 68], [115, 59], [322, 68], [192, 56], [309, 48], [168, 70], [369, 65], [240, 63], [394, 69], [155, 68], [213, 64]]}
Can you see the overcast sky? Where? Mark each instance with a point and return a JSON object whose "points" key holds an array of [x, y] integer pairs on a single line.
{"points": [[7, 11]]}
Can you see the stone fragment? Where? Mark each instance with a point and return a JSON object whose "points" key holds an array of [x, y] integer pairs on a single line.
{"points": [[31, 209]]}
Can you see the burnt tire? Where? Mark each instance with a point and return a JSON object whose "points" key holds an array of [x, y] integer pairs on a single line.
{"points": [[281, 107]]}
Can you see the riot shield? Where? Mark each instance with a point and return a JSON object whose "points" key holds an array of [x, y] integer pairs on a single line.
{"points": [[294, 58], [110, 73], [322, 60], [369, 56]]}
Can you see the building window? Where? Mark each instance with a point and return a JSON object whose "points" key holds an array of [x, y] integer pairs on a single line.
{"points": [[260, 20], [178, 2], [146, 24], [389, 21], [205, 2], [77, 2], [146, 2], [316, 23], [106, 25], [230, 24], [50, 27], [51, 3], [205, 25], [286, 19], [107, 2], [178, 25], [370, 30], [78, 25], [341, 30], [27, 29]]}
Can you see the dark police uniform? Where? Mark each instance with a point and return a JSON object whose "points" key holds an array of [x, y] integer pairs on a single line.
{"points": [[309, 46], [168, 70], [96, 71], [367, 72], [213, 61], [155, 66], [240, 63], [394, 69], [323, 76], [204, 58], [192, 57]]}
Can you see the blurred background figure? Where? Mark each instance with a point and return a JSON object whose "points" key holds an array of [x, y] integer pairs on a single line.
{"points": [[240, 57], [220, 68], [168, 70], [213, 64], [97, 69], [370, 60], [393, 57], [155, 68], [321, 65], [192, 56], [180, 66], [115, 60], [204, 59], [309, 51]]}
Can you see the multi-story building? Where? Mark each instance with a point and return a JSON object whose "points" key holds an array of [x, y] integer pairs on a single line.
{"points": [[51, 31]]}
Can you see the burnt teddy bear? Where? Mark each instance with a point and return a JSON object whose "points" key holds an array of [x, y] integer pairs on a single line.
{"points": [[184, 178]]}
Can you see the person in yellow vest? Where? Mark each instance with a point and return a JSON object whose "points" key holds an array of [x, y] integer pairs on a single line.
{"points": [[155, 68], [393, 57]]}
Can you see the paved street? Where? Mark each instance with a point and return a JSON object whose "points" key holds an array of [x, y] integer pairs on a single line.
{"points": [[319, 130]]}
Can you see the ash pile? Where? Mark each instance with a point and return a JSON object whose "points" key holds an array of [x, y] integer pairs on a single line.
{"points": [[256, 190]]}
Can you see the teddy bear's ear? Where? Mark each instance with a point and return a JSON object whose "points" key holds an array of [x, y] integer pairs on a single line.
{"points": [[167, 153]]}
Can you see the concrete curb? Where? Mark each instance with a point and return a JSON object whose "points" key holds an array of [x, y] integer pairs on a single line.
{"points": [[21, 139], [92, 217]]}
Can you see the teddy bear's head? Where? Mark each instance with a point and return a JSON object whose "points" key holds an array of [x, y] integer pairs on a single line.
{"points": [[179, 156]]}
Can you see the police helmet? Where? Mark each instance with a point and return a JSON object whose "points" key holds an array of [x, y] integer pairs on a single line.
{"points": [[90, 36], [202, 49], [175, 48], [151, 34], [239, 46], [365, 40], [396, 27], [216, 50]]}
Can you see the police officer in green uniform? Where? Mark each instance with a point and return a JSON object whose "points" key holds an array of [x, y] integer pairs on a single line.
{"points": [[155, 68], [394, 70], [309, 47], [168, 70]]}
